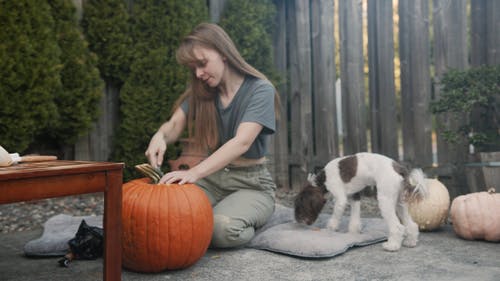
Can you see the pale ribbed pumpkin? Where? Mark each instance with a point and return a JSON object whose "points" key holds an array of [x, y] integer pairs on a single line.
{"points": [[477, 215], [165, 226], [431, 212]]}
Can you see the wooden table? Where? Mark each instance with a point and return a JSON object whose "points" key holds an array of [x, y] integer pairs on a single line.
{"points": [[39, 180]]}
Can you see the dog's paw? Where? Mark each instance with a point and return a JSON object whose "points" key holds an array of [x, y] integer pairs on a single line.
{"points": [[391, 246], [333, 225], [411, 237], [355, 229], [410, 242]]}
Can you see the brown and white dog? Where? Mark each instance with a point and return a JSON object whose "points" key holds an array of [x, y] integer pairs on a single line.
{"points": [[346, 177]]}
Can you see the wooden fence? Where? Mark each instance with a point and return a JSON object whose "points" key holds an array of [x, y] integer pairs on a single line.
{"points": [[431, 40], [378, 118]]}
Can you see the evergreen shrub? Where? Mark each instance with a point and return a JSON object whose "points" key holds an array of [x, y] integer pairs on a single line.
{"points": [[106, 27], [474, 92], [250, 24], [77, 101], [30, 65]]}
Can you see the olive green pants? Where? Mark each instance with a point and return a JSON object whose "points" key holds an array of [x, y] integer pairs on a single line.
{"points": [[242, 199]]}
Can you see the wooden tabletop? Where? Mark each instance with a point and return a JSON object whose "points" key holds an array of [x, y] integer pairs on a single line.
{"points": [[48, 179], [55, 167]]}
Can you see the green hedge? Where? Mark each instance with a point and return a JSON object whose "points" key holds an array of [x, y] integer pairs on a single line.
{"points": [[30, 65], [251, 24], [82, 87], [107, 29], [49, 85]]}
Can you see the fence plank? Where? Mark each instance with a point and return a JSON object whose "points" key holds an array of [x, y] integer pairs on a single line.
{"points": [[91, 147], [323, 69], [415, 82], [404, 50], [216, 7], [384, 125], [479, 53], [98, 144], [450, 49], [300, 93], [493, 31], [351, 73], [279, 143]]}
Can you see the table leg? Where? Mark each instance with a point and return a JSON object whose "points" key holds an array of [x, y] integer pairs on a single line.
{"points": [[113, 226]]}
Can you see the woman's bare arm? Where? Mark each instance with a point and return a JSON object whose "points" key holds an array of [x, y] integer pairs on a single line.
{"points": [[168, 133], [231, 150]]}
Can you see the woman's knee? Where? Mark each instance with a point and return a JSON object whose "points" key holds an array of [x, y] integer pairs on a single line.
{"points": [[230, 232]]}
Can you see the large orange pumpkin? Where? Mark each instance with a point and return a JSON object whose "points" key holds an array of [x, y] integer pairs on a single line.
{"points": [[165, 226], [477, 215]]}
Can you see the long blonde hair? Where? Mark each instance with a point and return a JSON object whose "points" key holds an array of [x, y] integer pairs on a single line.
{"points": [[202, 116]]}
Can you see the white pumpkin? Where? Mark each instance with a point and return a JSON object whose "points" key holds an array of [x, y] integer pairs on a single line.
{"points": [[431, 212]]}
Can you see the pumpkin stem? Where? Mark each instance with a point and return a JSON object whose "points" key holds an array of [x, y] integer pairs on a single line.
{"points": [[147, 170], [491, 190]]}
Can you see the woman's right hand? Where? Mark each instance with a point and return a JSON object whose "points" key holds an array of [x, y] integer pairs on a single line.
{"points": [[167, 133], [156, 150]]}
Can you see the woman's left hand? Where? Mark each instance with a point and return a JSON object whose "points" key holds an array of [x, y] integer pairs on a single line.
{"points": [[180, 177]]}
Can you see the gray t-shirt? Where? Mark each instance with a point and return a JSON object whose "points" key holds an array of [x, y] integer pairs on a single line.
{"points": [[253, 102]]}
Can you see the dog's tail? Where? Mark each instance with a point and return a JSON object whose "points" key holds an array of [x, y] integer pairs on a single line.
{"points": [[416, 179], [318, 180]]}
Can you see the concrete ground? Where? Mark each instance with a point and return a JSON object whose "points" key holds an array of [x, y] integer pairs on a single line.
{"points": [[440, 255]]}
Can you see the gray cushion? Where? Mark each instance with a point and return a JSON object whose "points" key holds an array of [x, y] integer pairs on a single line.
{"points": [[280, 234], [57, 231], [283, 235]]}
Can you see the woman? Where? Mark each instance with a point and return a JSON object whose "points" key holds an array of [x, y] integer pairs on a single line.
{"points": [[229, 110]]}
